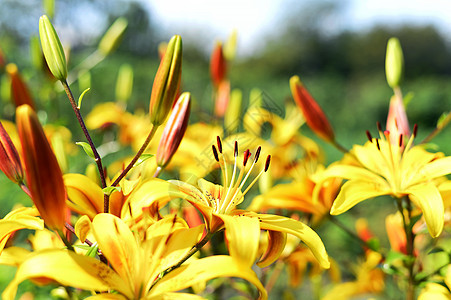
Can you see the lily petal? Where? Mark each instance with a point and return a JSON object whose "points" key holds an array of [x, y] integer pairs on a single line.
{"points": [[300, 230], [205, 269], [85, 272], [276, 244], [437, 168], [15, 222], [243, 236], [428, 199], [354, 192]]}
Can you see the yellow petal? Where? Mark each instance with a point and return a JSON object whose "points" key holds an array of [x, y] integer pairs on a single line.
{"points": [[175, 296], [82, 228], [68, 269], [84, 196], [354, 192], [205, 269], [434, 291], [300, 230], [243, 236], [437, 168], [13, 256], [276, 244], [117, 244], [107, 296], [428, 199], [16, 222]]}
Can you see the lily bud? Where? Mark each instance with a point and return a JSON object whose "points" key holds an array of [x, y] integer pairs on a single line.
{"points": [[9, 158], [174, 130], [113, 36], [233, 112], [313, 114], [167, 81], [218, 65], [19, 90], [394, 63], [43, 174], [397, 122], [222, 98], [52, 49]]}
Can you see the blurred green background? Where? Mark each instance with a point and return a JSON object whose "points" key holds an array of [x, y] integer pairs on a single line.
{"points": [[343, 70]]}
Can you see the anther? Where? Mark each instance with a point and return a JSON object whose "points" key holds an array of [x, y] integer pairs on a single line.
{"points": [[215, 153], [368, 135], [236, 149], [400, 140], [218, 140], [379, 127], [246, 156], [377, 144], [257, 153], [415, 130], [268, 160]]}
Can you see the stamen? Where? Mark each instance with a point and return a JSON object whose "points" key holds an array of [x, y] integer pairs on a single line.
{"points": [[415, 130], [215, 153], [396, 124], [246, 156], [218, 141], [257, 153], [236, 149], [400, 141], [368, 135], [377, 145], [379, 127], [268, 160]]}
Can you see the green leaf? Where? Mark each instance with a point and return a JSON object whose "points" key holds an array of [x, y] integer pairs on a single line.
{"points": [[408, 98], [81, 97], [443, 120], [393, 256], [373, 244], [92, 252], [87, 148], [142, 159], [110, 189], [83, 247], [436, 250]]}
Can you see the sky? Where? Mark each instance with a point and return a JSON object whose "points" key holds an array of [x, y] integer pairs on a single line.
{"points": [[255, 19]]}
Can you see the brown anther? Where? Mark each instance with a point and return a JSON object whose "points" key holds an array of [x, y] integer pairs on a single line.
{"points": [[236, 149], [415, 130], [400, 140], [246, 156], [218, 141], [379, 127], [377, 145], [368, 135], [387, 133], [268, 160], [257, 153], [215, 153]]}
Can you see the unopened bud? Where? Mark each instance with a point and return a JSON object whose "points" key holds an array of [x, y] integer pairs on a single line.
{"points": [[167, 81], [9, 158], [232, 117], [19, 90], [222, 98], [174, 130], [43, 174], [397, 122], [313, 114], [112, 37], [124, 84], [394, 63], [52, 49], [218, 65]]}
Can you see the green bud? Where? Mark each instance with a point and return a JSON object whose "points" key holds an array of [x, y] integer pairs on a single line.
{"points": [[49, 7], [124, 83], [167, 82], [53, 51], [232, 116], [394, 63], [113, 36]]}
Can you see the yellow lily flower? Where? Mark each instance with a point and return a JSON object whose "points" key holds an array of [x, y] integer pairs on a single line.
{"points": [[382, 168], [218, 205], [136, 260]]}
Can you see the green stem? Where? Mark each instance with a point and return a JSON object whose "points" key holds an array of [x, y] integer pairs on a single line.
{"points": [[437, 130], [137, 156], [65, 241], [348, 231], [339, 146]]}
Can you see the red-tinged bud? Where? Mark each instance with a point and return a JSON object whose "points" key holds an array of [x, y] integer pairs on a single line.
{"points": [[9, 158], [218, 65], [313, 114], [397, 122], [19, 90], [222, 98], [43, 174], [174, 130], [167, 81]]}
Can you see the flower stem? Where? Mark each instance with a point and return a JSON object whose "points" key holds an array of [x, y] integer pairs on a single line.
{"points": [[274, 275], [65, 241], [348, 231], [137, 156]]}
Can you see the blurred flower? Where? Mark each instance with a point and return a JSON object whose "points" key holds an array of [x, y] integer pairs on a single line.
{"points": [[381, 168], [166, 82], [43, 174], [19, 90], [10, 162], [136, 262], [53, 51], [314, 115], [112, 36], [218, 65], [222, 98], [217, 203]]}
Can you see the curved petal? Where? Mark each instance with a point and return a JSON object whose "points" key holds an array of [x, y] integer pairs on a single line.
{"points": [[243, 236], [276, 244], [86, 273], [82, 228], [437, 168], [428, 199], [118, 245], [175, 296], [106, 296], [83, 195], [205, 269], [354, 192], [17, 221], [300, 230]]}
